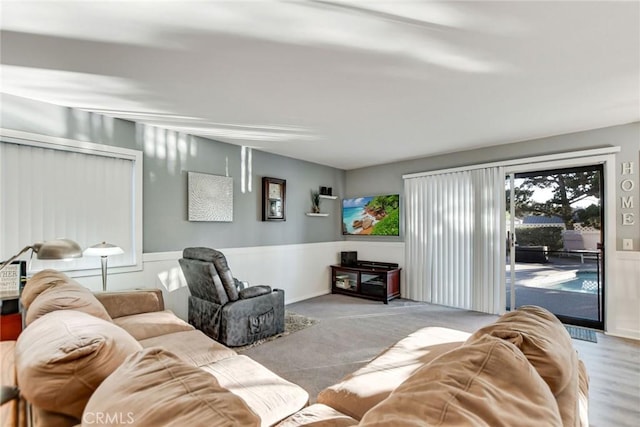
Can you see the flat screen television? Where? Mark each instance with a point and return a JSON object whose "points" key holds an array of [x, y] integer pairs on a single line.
{"points": [[371, 216]]}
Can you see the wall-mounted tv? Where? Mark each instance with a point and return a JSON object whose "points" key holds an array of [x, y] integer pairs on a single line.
{"points": [[372, 216]]}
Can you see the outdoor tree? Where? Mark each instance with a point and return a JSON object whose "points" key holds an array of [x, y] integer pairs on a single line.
{"points": [[567, 189]]}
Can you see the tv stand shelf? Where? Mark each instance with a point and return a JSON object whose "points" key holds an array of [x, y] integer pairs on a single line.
{"points": [[375, 280]]}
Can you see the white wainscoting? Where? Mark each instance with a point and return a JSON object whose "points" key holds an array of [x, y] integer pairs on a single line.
{"points": [[301, 270], [623, 296]]}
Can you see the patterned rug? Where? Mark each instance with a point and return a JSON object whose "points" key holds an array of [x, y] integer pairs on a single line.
{"points": [[293, 322], [582, 333]]}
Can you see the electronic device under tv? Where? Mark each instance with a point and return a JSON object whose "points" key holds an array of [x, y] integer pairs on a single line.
{"points": [[349, 258], [371, 216]]}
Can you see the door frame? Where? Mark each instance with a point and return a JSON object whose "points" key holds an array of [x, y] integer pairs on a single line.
{"points": [[608, 162], [605, 156]]}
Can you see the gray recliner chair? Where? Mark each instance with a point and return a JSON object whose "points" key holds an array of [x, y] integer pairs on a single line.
{"points": [[222, 307]]}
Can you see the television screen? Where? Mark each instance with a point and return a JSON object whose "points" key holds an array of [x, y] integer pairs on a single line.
{"points": [[374, 216]]}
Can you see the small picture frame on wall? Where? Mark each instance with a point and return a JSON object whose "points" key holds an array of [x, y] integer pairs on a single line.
{"points": [[274, 196]]}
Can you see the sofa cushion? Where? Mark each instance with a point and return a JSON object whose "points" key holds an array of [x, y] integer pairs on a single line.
{"points": [[271, 397], [547, 345], [358, 392], [11, 411], [583, 394], [127, 303], [154, 387], [52, 419], [40, 282], [152, 324], [193, 347], [318, 415], [62, 357], [486, 383], [66, 296]]}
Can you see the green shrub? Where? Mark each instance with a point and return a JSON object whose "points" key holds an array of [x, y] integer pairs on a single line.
{"points": [[540, 236]]}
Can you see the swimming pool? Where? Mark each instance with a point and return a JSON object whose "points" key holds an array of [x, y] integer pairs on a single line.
{"points": [[585, 282]]}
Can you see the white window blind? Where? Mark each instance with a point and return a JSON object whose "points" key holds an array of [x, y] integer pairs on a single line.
{"points": [[85, 192], [454, 245]]}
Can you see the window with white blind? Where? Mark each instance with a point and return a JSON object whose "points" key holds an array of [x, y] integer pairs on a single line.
{"points": [[54, 188]]}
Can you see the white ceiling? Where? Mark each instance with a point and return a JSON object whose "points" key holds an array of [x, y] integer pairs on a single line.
{"points": [[342, 83]]}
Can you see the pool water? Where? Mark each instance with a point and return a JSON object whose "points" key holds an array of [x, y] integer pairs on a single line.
{"points": [[585, 282]]}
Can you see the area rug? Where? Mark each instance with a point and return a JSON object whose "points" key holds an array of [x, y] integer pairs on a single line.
{"points": [[293, 322], [582, 333]]}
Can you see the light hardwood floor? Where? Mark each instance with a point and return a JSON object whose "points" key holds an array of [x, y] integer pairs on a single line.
{"points": [[351, 331], [613, 365]]}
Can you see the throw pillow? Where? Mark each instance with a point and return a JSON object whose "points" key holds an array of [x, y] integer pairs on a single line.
{"points": [[40, 282], [62, 357], [154, 387], [66, 296], [547, 345], [486, 383], [155, 323]]}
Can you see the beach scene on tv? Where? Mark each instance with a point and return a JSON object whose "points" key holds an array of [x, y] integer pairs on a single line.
{"points": [[375, 216]]}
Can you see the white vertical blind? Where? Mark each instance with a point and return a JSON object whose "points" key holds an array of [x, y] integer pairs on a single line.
{"points": [[454, 245], [48, 193]]}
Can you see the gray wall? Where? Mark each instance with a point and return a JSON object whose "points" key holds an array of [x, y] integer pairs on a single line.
{"points": [[388, 177], [167, 158], [169, 155]]}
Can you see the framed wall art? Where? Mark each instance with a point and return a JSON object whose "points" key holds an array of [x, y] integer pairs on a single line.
{"points": [[210, 197], [274, 196]]}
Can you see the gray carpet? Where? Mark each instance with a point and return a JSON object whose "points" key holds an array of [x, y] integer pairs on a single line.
{"points": [[349, 333], [293, 322]]}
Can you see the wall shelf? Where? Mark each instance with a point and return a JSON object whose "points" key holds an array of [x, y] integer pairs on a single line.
{"points": [[323, 196], [316, 214]]}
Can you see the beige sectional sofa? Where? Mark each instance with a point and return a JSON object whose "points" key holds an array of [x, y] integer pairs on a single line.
{"points": [[521, 370], [121, 359]]}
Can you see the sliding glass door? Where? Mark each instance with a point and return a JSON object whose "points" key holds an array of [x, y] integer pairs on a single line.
{"points": [[554, 235]]}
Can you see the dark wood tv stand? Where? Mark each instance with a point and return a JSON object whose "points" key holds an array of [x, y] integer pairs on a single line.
{"points": [[375, 280]]}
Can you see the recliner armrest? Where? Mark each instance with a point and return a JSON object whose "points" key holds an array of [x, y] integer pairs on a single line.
{"points": [[254, 291]]}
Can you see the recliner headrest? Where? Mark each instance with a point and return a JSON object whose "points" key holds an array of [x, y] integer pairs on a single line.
{"points": [[202, 254]]}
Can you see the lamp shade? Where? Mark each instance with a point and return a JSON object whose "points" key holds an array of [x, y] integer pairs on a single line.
{"points": [[52, 249], [58, 249], [103, 249]]}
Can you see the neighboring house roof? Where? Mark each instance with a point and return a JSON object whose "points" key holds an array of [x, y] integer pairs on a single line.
{"points": [[538, 219]]}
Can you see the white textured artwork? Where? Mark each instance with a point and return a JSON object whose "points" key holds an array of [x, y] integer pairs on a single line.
{"points": [[210, 197]]}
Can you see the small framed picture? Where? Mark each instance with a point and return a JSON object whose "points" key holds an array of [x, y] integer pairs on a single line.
{"points": [[12, 279], [274, 195]]}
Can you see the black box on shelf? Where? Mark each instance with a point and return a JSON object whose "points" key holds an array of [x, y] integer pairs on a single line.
{"points": [[349, 259]]}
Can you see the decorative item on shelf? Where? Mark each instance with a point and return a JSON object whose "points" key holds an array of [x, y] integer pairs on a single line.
{"points": [[342, 281], [12, 280], [274, 195], [50, 250], [315, 202], [103, 250], [326, 191]]}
